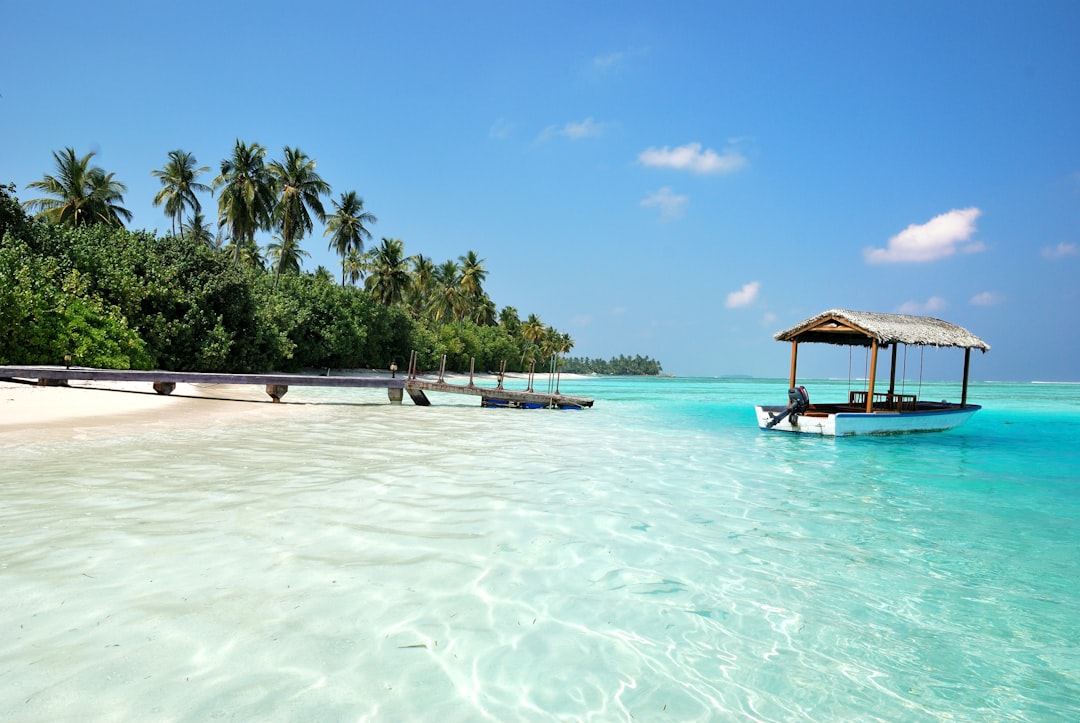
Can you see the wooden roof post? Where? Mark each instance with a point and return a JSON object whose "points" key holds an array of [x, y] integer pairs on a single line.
{"points": [[873, 373], [892, 370], [967, 364], [794, 362]]}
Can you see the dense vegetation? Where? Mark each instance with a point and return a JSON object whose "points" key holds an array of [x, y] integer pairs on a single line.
{"points": [[622, 365], [74, 281]]}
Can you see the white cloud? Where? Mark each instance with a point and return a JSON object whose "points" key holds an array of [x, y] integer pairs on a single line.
{"points": [[937, 238], [618, 311], [671, 205], [581, 320], [574, 130], [500, 129], [692, 158], [608, 62], [744, 296], [986, 298], [587, 128], [934, 303], [1060, 251]]}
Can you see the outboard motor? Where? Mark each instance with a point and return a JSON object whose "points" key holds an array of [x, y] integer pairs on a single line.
{"points": [[798, 402]]}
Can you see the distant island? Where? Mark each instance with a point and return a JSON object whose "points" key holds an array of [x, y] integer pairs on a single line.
{"points": [[636, 365]]}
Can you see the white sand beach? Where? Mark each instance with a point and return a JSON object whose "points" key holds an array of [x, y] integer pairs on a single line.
{"points": [[85, 409]]}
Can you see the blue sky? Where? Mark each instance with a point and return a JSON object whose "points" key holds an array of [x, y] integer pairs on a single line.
{"points": [[679, 180]]}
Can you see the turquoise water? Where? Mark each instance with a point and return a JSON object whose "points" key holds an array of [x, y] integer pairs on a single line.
{"points": [[654, 558]]}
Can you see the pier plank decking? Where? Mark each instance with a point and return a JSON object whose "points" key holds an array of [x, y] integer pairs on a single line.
{"points": [[495, 396], [164, 381]]}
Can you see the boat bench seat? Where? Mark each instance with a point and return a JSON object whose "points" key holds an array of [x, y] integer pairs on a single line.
{"points": [[884, 401]]}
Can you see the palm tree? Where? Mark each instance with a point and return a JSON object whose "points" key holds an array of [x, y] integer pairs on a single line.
{"points": [[285, 256], [509, 320], [179, 186], [299, 189], [532, 333], [483, 312], [445, 301], [389, 277], [199, 230], [533, 329], [421, 285], [555, 342], [244, 253], [549, 343], [473, 275], [346, 227], [247, 195], [81, 194], [354, 266], [564, 344], [106, 195]]}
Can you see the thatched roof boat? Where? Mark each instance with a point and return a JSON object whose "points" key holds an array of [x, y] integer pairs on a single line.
{"points": [[867, 411], [861, 328]]}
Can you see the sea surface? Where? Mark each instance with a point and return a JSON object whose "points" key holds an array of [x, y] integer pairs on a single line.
{"points": [[654, 558]]}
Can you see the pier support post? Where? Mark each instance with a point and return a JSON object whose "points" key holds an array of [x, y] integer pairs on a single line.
{"points": [[395, 394], [165, 388], [276, 391], [419, 398]]}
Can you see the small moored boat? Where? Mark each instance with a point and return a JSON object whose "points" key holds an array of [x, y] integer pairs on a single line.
{"points": [[869, 411]]}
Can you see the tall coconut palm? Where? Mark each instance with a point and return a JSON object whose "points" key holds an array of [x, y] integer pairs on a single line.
{"points": [[244, 252], [445, 302], [564, 344], [510, 321], [532, 330], [81, 194], [246, 201], [346, 227], [285, 256], [555, 342], [532, 333], [482, 312], [423, 282], [198, 230], [299, 191], [354, 266], [106, 195], [179, 184], [389, 276], [473, 275]]}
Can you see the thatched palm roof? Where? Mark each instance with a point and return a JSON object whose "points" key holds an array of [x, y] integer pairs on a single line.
{"points": [[857, 328]]}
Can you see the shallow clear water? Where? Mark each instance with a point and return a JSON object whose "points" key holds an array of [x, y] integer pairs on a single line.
{"points": [[656, 558]]}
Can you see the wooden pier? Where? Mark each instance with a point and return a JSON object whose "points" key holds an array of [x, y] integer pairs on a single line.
{"points": [[497, 396], [164, 382]]}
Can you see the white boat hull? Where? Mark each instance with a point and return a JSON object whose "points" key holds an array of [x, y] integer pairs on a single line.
{"points": [[844, 424]]}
